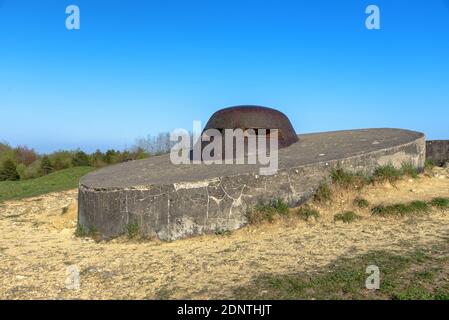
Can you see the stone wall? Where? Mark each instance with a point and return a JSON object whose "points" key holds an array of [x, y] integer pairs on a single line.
{"points": [[437, 151]]}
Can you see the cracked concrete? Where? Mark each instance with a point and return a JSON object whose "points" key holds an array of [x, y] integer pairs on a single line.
{"points": [[172, 202]]}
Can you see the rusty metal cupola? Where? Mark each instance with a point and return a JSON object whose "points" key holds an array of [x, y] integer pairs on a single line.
{"points": [[254, 117]]}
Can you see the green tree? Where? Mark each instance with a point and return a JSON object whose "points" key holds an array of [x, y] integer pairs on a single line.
{"points": [[110, 156], [8, 171], [46, 166], [80, 159]]}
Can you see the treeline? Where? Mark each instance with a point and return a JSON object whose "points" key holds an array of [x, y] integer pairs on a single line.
{"points": [[21, 163]]}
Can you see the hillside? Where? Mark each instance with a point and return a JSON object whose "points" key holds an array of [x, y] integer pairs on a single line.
{"points": [[58, 181]]}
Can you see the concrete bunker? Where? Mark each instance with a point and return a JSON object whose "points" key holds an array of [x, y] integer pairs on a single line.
{"points": [[174, 201]]}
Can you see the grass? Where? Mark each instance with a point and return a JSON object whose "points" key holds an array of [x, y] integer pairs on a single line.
{"points": [[346, 179], [387, 173], [401, 209], [132, 230], [83, 232], [409, 170], [404, 276], [57, 181], [361, 203], [305, 213], [346, 217], [222, 232], [440, 203], [323, 193], [267, 212], [429, 164]]}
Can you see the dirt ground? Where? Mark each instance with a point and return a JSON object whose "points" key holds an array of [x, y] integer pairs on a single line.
{"points": [[38, 246]]}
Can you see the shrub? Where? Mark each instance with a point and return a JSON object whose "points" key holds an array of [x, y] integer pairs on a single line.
{"points": [[33, 170], [8, 171], [61, 160], [24, 155]]}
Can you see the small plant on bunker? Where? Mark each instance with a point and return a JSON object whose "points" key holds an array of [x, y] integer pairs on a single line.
{"points": [[347, 217], [132, 230], [306, 213]]}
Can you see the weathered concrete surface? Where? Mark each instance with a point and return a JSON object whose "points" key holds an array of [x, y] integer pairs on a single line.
{"points": [[172, 202], [437, 151]]}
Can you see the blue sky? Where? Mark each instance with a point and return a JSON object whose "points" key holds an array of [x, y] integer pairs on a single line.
{"points": [[142, 67]]}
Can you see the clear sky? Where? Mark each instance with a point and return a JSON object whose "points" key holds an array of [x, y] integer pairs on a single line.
{"points": [[142, 67]]}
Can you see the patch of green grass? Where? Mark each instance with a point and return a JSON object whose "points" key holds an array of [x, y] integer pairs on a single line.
{"points": [[429, 164], [323, 193], [346, 217], [58, 181], [387, 173], [409, 170], [361, 203], [346, 179], [305, 213], [440, 203], [345, 279], [401, 209], [132, 230], [267, 212], [222, 232], [81, 231], [279, 206]]}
